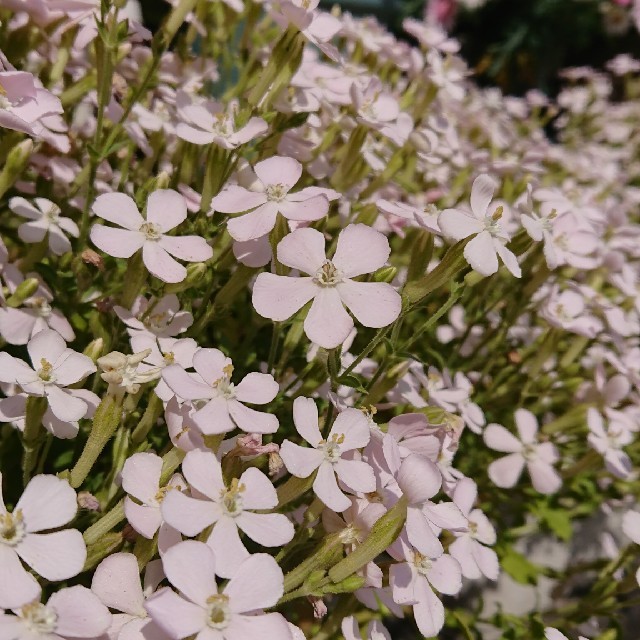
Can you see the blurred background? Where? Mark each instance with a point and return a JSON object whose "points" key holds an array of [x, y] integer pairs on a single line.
{"points": [[517, 45]]}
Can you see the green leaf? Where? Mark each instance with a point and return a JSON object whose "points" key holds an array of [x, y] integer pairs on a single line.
{"points": [[519, 568], [559, 522]]}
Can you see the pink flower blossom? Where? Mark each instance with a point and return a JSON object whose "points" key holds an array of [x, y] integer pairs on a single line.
{"points": [[70, 613], [419, 480], [228, 507], [44, 219], [162, 318], [166, 209], [609, 441], [270, 196], [210, 122], [18, 325], [537, 456], [54, 368], [116, 582], [232, 613], [23, 102], [489, 238], [360, 250], [375, 630], [331, 456], [476, 559], [141, 479], [46, 503], [413, 580], [224, 409]]}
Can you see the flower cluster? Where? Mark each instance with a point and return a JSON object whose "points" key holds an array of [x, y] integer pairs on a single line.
{"points": [[304, 333]]}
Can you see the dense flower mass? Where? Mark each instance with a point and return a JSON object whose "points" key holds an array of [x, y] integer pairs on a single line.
{"points": [[304, 335]]}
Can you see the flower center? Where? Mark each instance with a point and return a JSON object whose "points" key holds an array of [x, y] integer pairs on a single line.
{"points": [[5, 103], [162, 492], [421, 563], [218, 613], [45, 372], [222, 125], [224, 385], [38, 618], [232, 498], [351, 535], [276, 192], [157, 321], [169, 358], [12, 529], [491, 223], [151, 230], [331, 448], [328, 275], [52, 213], [529, 451], [473, 528], [42, 307]]}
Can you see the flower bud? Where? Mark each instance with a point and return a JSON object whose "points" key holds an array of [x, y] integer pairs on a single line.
{"points": [[385, 274], [88, 501], [25, 290], [196, 271], [16, 162], [94, 349]]}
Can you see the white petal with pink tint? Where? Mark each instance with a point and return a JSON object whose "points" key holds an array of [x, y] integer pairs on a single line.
{"points": [[188, 515], [327, 323], [161, 264], [17, 587], [267, 529], [190, 567], [258, 584], [358, 297], [141, 475], [257, 388], [360, 250], [303, 250], [166, 208], [305, 418], [300, 461], [118, 208], [80, 613], [480, 253], [279, 297], [54, 556], [116, 581], [506, 471], [326, 488], [47, 503], [119, 243]]}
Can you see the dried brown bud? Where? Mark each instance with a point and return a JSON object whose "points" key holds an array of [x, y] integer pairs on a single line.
{"points": [[89, 256], [88, 501]]}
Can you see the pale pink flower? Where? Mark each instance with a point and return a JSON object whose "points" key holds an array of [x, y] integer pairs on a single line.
{"points": [[211, 123], [413, 580], [224, 409], [476, 559], [270, 196], [232, 613], [116, 582], [609, 441], [539, 226], [70, 613], [183, 431], [161, 318], [228, 507], [54, 368], [18, 325], [44, 219], [14, 409], [375, 630], [374, 107], [537, 456], [330, 285], [567, 310], [419, 480], [331, 456], [141, 479], [489, 238], [23, 102], [163, 353], [166, 209], [46, 503]]}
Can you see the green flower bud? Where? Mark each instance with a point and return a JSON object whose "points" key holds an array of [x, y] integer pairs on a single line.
{"points": [[16, 162], [196, 271], [385, 274], [25, 290]]}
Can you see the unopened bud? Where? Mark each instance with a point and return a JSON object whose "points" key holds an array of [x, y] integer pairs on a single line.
{"points": [[385, 274], [89, 256], [94, 349], [196, 271], [16, 162], [25, 290], [319, 607], [275, 463], [88, 501], [162, 180]]}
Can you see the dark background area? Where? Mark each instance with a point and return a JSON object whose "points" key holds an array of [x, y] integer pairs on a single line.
{"points": [[515, 44]]}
